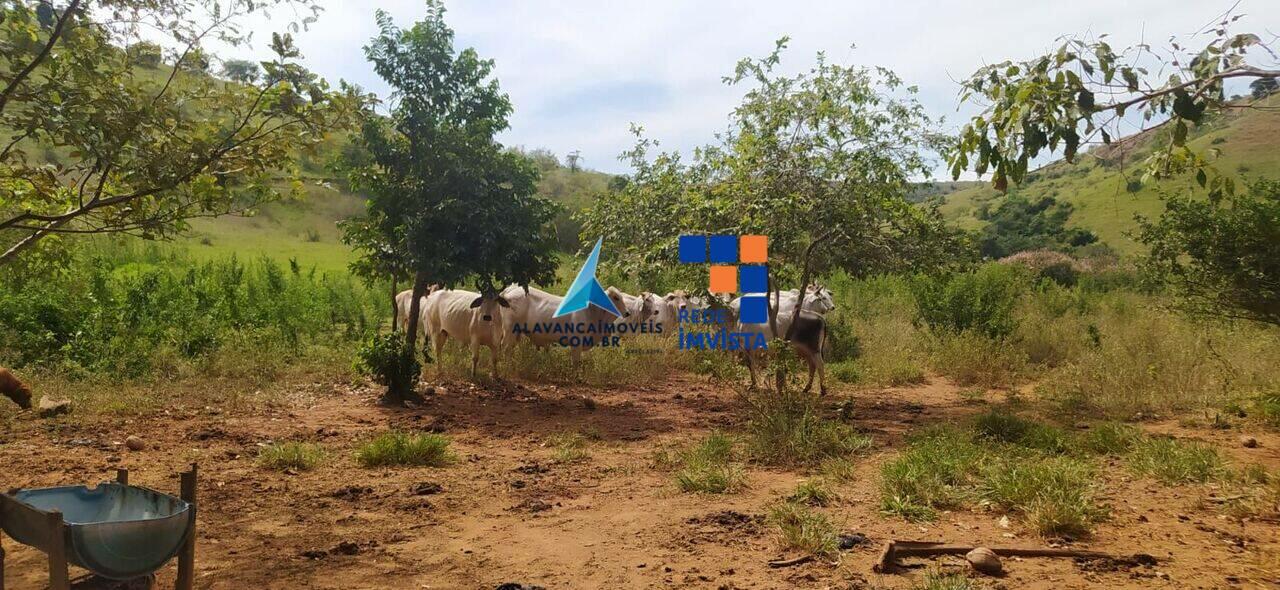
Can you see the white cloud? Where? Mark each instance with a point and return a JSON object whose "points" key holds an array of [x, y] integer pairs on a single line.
{"points": [[579, 72]]}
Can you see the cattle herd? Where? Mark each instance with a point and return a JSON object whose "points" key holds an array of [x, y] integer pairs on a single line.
{"points": [[499, 320]]}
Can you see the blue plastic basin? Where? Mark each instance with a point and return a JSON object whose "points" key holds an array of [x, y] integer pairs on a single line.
{"points": [[113, 530]]}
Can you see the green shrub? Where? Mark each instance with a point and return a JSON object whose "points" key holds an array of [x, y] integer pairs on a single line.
{"points": [[1000, 426], [291, 455], [1267, 407], [386, 358], [1054, 494], [133, 312], [838, 468], [570, 447], [1061, 273], [936, 471], [970, 358], [708, 467], [813, 492], [1172, 461], [907, 508], [982, 301], [845, 371], [804, 529], [788, 428], [402, 448], [1109, 438]]}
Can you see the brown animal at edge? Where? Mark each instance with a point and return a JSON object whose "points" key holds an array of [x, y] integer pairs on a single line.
{"points": [[14, 389]]}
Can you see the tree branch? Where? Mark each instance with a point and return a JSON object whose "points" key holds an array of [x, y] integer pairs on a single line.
{"points": [[44, 53]]}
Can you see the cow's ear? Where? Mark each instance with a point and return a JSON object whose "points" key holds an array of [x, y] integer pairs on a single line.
{"points": [[477, 302], [503, 302], [671, 296]]}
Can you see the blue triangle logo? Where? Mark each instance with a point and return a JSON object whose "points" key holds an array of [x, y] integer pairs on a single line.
{"points": [[586, 290]]}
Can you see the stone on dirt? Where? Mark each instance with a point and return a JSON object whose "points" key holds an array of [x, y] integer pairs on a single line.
{"points": [[1248, 442], [134, 443], [50, 407], [519, 586], [850, 540], [985, 561]]}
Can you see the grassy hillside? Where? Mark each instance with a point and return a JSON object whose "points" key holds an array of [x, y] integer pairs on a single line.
{"points": [[1098, 184], [306, 230]]}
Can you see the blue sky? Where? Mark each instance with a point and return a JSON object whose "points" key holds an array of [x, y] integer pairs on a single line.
{"points": [[581, 72]]}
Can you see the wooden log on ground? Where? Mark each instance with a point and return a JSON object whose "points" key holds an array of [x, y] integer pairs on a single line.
{"points": [[893, 550]]}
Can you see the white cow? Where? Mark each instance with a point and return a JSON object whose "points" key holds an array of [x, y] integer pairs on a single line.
{"points": [[634, 308], [666, 309], [537, 308], [403, 301], [474, 319], [810, 333]]}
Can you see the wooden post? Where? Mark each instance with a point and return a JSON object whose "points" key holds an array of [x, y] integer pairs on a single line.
{"points": [[122, 478], [187, 555], [59, 578]]}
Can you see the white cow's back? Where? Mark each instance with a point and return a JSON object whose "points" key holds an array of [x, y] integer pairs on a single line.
{"points": [[538, 308], [450, 311]]}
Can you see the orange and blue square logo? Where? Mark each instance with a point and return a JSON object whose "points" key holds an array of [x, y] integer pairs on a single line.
{"points": [[738, 264]]}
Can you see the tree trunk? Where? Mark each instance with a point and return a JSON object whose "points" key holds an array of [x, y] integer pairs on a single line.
{"points": [[411, 332]]}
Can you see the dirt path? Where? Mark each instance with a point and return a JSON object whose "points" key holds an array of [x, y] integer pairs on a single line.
{"points": [[506, 512]]}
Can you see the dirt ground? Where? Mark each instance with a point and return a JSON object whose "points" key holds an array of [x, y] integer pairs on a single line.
{"points": [[506, 512]]}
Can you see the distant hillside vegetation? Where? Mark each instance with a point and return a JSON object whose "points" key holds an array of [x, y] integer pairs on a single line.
{"points": [[306, 229], [1104, 187]]}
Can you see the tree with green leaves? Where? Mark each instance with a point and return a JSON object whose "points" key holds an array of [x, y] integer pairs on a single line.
{"points": [[1085, 90], [1264, 87], [1020, 224], [141, 150], [821, 162], [1217, 250], [447, 203], [241, 70], [1220, 255]]}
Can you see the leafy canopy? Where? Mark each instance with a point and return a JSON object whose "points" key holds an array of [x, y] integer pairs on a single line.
{"points": [[95, 138], [1085, 90], [824, 158], [1220, 255], [1020, 224], [446, 202]]}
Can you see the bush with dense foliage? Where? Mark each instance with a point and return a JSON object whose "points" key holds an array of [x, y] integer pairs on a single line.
{"points": [[982, 300], [127, 313], [1220, 254]]}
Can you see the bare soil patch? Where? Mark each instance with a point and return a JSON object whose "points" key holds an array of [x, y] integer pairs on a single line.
{"points": [[507, 512]]}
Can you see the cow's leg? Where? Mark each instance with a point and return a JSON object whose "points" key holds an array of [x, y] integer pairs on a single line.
{"points": [[438, 339], [807, 354], [475, 356], [751, 366], [575, 353], [493, 352]]}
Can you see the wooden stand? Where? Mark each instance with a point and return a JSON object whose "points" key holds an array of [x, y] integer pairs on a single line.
{"points": [[54, 544]]}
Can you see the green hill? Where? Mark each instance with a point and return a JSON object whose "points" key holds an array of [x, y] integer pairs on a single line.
{"points": [[306, 229], [1103, 186]]}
